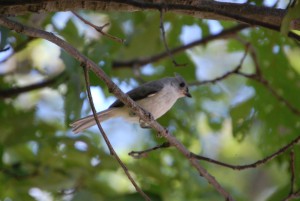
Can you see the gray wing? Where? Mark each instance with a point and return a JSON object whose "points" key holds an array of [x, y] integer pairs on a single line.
{"points": [[141, 92]]}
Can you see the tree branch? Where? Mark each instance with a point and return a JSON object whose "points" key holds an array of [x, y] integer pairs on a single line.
{"points": [[6, 93], [140, 154], [251, 165], [236, 70], [292, 167], [110, 147], [100, 29], [293, 196], [163, 34], [143, 153], [206, 9], [119, 94], [279, 97], [143, 61], [256, 76]]}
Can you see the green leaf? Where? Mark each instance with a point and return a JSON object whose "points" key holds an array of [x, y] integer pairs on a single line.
{"points": [[292, 14], [71, 34], [75, 87], [242, 116], [3, 40]]}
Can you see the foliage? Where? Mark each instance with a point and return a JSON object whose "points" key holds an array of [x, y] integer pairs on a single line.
{"points": [[237, 120], [293, 13]]}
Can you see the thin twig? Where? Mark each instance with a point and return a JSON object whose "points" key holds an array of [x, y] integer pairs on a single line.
{"points": [[30, 31], [143, 61], [163, 33], [222, 77], [110, 147], [139, 154], [293, 196], [236, 70], [257, 71], [100, 29], [292, 167], [251, 165], [256, 76], [266, 83]]}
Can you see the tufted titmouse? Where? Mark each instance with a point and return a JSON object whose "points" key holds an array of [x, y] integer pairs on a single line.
{"points": [[157, 97]]}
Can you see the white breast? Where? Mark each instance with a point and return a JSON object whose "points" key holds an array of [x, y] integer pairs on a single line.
{"points": [[158, 104]]}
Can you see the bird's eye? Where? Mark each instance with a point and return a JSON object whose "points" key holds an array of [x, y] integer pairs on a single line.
{"points": [[182, 84]]}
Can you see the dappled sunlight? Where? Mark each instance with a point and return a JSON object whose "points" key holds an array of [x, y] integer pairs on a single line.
{"points": [[116, 181], [214, 60], [45, 57], [293, 57]]}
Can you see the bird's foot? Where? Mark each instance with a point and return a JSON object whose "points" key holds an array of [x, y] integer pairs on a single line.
{"points": [[143, 124], [159, 134], [150, 118], [148, 115], [132, 114]]}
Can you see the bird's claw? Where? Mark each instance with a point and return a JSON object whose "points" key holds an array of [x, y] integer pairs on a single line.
{"points": [[148, 115], [159, 134], [143, 124]]}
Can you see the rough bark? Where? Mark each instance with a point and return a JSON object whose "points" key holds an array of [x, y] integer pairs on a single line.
{"points": [[208, 9]]}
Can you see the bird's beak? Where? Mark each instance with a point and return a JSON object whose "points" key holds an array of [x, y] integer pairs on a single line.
{"points": [[187, 93]]}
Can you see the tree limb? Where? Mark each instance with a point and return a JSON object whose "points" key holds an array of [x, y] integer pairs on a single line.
{"points": [[143, 61], [143, 153], [205, 9], [6, 93]]}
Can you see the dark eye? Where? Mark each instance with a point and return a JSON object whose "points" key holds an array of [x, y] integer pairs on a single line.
{"points": [[182, 84]]}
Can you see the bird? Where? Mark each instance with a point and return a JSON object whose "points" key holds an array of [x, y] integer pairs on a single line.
{"points": [[156, 97]]}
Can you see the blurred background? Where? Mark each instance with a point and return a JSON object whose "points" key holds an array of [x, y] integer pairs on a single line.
{"points": [[236, 120]]}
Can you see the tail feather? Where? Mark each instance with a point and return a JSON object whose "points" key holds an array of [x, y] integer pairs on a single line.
{"points": [[86, 122]]}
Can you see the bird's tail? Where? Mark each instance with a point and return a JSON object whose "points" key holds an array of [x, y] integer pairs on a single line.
{"points": [[86, 122]]}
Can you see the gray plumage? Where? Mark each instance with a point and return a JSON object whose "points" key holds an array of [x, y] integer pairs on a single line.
{"points": [[157, 97]]}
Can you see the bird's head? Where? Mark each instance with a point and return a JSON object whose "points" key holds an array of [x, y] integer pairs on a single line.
{"points": [[182, 86]]}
